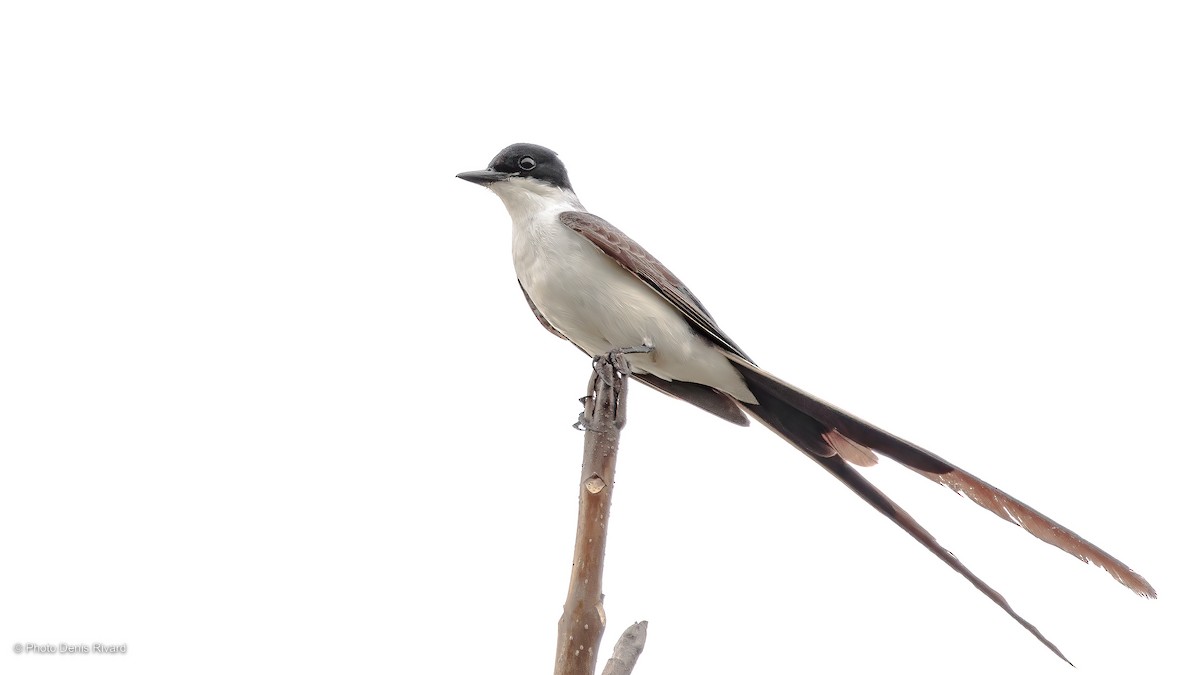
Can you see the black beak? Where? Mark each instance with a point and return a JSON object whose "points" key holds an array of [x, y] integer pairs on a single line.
{"points": [[485, 177]]}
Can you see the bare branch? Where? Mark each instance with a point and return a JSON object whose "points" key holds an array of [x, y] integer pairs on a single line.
{"points": [[582, 624]]}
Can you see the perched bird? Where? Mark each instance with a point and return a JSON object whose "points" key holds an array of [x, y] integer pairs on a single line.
{"points": [[589, 283]]}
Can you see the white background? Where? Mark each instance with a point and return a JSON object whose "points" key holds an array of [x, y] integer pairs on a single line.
{"points": [[271, 401]]}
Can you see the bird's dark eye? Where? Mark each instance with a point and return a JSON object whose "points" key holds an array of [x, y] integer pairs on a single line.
{"points": [[526, 163]]}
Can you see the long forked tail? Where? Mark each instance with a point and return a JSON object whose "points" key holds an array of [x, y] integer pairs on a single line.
{"points": [[835, 440]]}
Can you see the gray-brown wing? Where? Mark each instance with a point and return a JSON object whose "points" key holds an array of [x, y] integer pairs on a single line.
{"points": [[630, 255], [706, 398]]}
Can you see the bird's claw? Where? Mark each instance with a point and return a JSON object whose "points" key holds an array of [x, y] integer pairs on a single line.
{"points": [[581, 424], [620, 364]]}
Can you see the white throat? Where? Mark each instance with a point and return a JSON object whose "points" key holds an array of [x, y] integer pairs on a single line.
{"points": [[526, 198]]}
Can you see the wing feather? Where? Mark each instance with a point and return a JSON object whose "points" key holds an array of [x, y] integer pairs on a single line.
{"points": [[630, 255]]}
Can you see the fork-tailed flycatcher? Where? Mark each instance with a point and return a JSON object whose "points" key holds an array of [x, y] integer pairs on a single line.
{"points": [[589, 283]]}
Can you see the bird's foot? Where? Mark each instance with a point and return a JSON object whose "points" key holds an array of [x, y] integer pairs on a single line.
{"points": [[611, 369], [616, 358], [581, 424]]}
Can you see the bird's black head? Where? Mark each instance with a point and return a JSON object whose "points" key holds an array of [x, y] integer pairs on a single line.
{"points": [[524, 160]]}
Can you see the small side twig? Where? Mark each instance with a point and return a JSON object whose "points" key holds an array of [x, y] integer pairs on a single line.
{"points": [[627, 650], [582, 624]]}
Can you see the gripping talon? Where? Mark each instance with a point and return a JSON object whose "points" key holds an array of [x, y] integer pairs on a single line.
{"points": [[610, 368], [617, 358], [598, 365]]}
